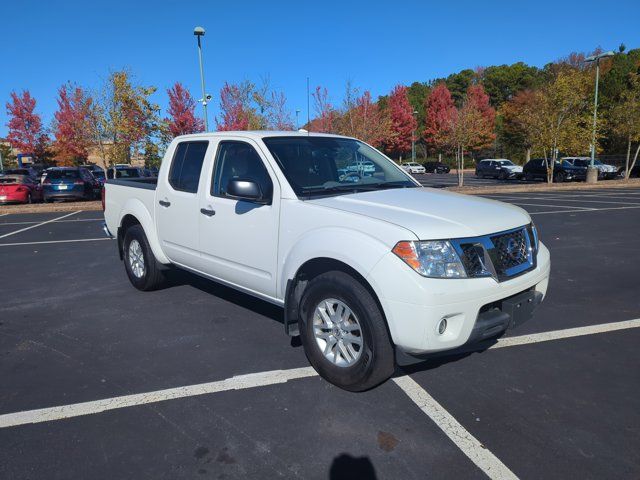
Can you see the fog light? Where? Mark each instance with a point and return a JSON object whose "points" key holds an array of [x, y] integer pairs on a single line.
{"points": [[442, 326]]}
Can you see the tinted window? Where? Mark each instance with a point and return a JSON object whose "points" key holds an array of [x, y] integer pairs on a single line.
{"points": [[186, 166], [63, 174], [239, 160]]}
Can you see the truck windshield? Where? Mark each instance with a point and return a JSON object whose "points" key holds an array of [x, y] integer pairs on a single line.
{"points": [[329, 165]]}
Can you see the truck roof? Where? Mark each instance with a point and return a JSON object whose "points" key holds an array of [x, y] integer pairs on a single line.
{"points": [[259, 134]]}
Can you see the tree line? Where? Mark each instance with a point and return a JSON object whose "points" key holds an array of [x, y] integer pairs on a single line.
{"points": [[512, 111]]}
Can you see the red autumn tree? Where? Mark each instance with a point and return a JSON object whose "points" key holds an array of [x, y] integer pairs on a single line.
{"points": [[484, 130], [363, 119], [182, 119], [233, 108], [25, 126], [403, 122], [326, 115], [441, 117], [72, 125]]}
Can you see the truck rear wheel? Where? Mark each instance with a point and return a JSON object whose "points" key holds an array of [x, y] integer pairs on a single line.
{"points": [[344, 332], [143, 270]]}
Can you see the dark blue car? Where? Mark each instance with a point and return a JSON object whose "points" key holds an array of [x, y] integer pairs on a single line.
{"points": [[69, 183]]}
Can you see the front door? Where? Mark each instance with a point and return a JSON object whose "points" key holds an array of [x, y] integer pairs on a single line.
{"points": [[177, 205], [239, 239]]}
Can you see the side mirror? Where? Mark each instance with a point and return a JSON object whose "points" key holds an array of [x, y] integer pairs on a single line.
{"points": [[246, 190]]}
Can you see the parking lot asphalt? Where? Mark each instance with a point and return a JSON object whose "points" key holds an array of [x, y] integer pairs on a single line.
{"points": [[196, 380]]}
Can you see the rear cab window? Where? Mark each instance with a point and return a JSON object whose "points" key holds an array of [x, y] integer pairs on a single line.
{"points": [[184, 174]]}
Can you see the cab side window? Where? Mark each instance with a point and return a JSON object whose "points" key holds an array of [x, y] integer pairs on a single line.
{"points": [[186, 166], [239, 160]]}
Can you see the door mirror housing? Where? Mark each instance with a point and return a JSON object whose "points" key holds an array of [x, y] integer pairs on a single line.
{"points": [[244, 189]]}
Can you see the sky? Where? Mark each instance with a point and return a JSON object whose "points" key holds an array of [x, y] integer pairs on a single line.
{"points": [[374, 44]]}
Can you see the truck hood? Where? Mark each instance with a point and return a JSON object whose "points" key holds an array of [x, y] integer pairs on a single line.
{"points": [[431, 214]]}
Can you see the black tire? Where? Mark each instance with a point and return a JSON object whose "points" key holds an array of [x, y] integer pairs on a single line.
{"points": [[152, 277], [502, 176], [376, 362], [558, 177], [529, 177]]}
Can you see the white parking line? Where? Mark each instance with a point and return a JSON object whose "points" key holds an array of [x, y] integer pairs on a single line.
{"points": [[240, 382], [56, 241], [587, 201], [583, 210], [546, 205], [3, 214], [257, 380], [57, 221], [470, 446], [38, 225]]}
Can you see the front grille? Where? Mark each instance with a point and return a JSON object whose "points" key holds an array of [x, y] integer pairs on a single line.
{"points": [[501, 255], [472, 259], [511, 250]]}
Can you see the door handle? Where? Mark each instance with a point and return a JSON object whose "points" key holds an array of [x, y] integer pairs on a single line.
{"points": [[207, 212], [164, 203]]}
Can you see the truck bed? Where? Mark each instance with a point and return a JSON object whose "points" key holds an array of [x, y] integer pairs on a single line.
{"points": [[148, 183]]}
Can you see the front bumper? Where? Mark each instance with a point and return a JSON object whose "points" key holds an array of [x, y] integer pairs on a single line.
{"points": [[415, 305]]}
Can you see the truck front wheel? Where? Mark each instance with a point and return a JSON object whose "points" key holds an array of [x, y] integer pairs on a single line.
{"points": [[143, 270], [344, 332]]}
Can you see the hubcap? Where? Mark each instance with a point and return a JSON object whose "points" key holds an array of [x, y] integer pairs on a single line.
{"points": [[136, 259], [337, 332]]}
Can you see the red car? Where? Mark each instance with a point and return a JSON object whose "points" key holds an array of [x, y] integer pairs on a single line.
{"points": [[19, 189]]}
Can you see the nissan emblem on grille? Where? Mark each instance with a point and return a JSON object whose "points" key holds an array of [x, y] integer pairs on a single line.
{"points": [[501, 256]]}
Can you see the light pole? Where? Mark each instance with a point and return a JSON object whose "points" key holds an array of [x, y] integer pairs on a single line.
{"points": [[297, 122], [413, 137], [199, 32], [595, 58]]}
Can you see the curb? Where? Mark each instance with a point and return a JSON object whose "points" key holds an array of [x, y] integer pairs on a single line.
{"points": [[545, 187], [51, 207]]}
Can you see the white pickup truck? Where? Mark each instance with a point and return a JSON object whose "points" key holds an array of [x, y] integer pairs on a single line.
{"points": [[371, 268]]}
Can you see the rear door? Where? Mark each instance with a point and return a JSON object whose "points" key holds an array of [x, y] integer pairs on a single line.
{"points": [[239, 239], [177, 210]]}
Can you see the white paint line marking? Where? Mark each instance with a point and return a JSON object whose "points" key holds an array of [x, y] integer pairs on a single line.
{"points": [[566, 333], [258, 380], [583, 210], [588, 201], [3, 214], [57, 221], [240, 382], [470, 446], [56, 241], [546, 205], [38, 225]]}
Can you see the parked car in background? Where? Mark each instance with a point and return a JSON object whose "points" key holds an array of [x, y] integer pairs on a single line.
{"points": [[436, 167], [413, 167], [19, 189], [99, 175], [634, 173], [500, 168], [605, 171], [563, 171], [124, 172], [24, 171], [69, 183]]}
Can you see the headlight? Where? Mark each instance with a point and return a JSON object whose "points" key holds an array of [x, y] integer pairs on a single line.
{"points": [[435, 259]]}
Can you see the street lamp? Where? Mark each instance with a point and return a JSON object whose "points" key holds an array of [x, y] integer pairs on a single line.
{"points": [[595, 58], [297, 123], [199, 32], [413, 138]]}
